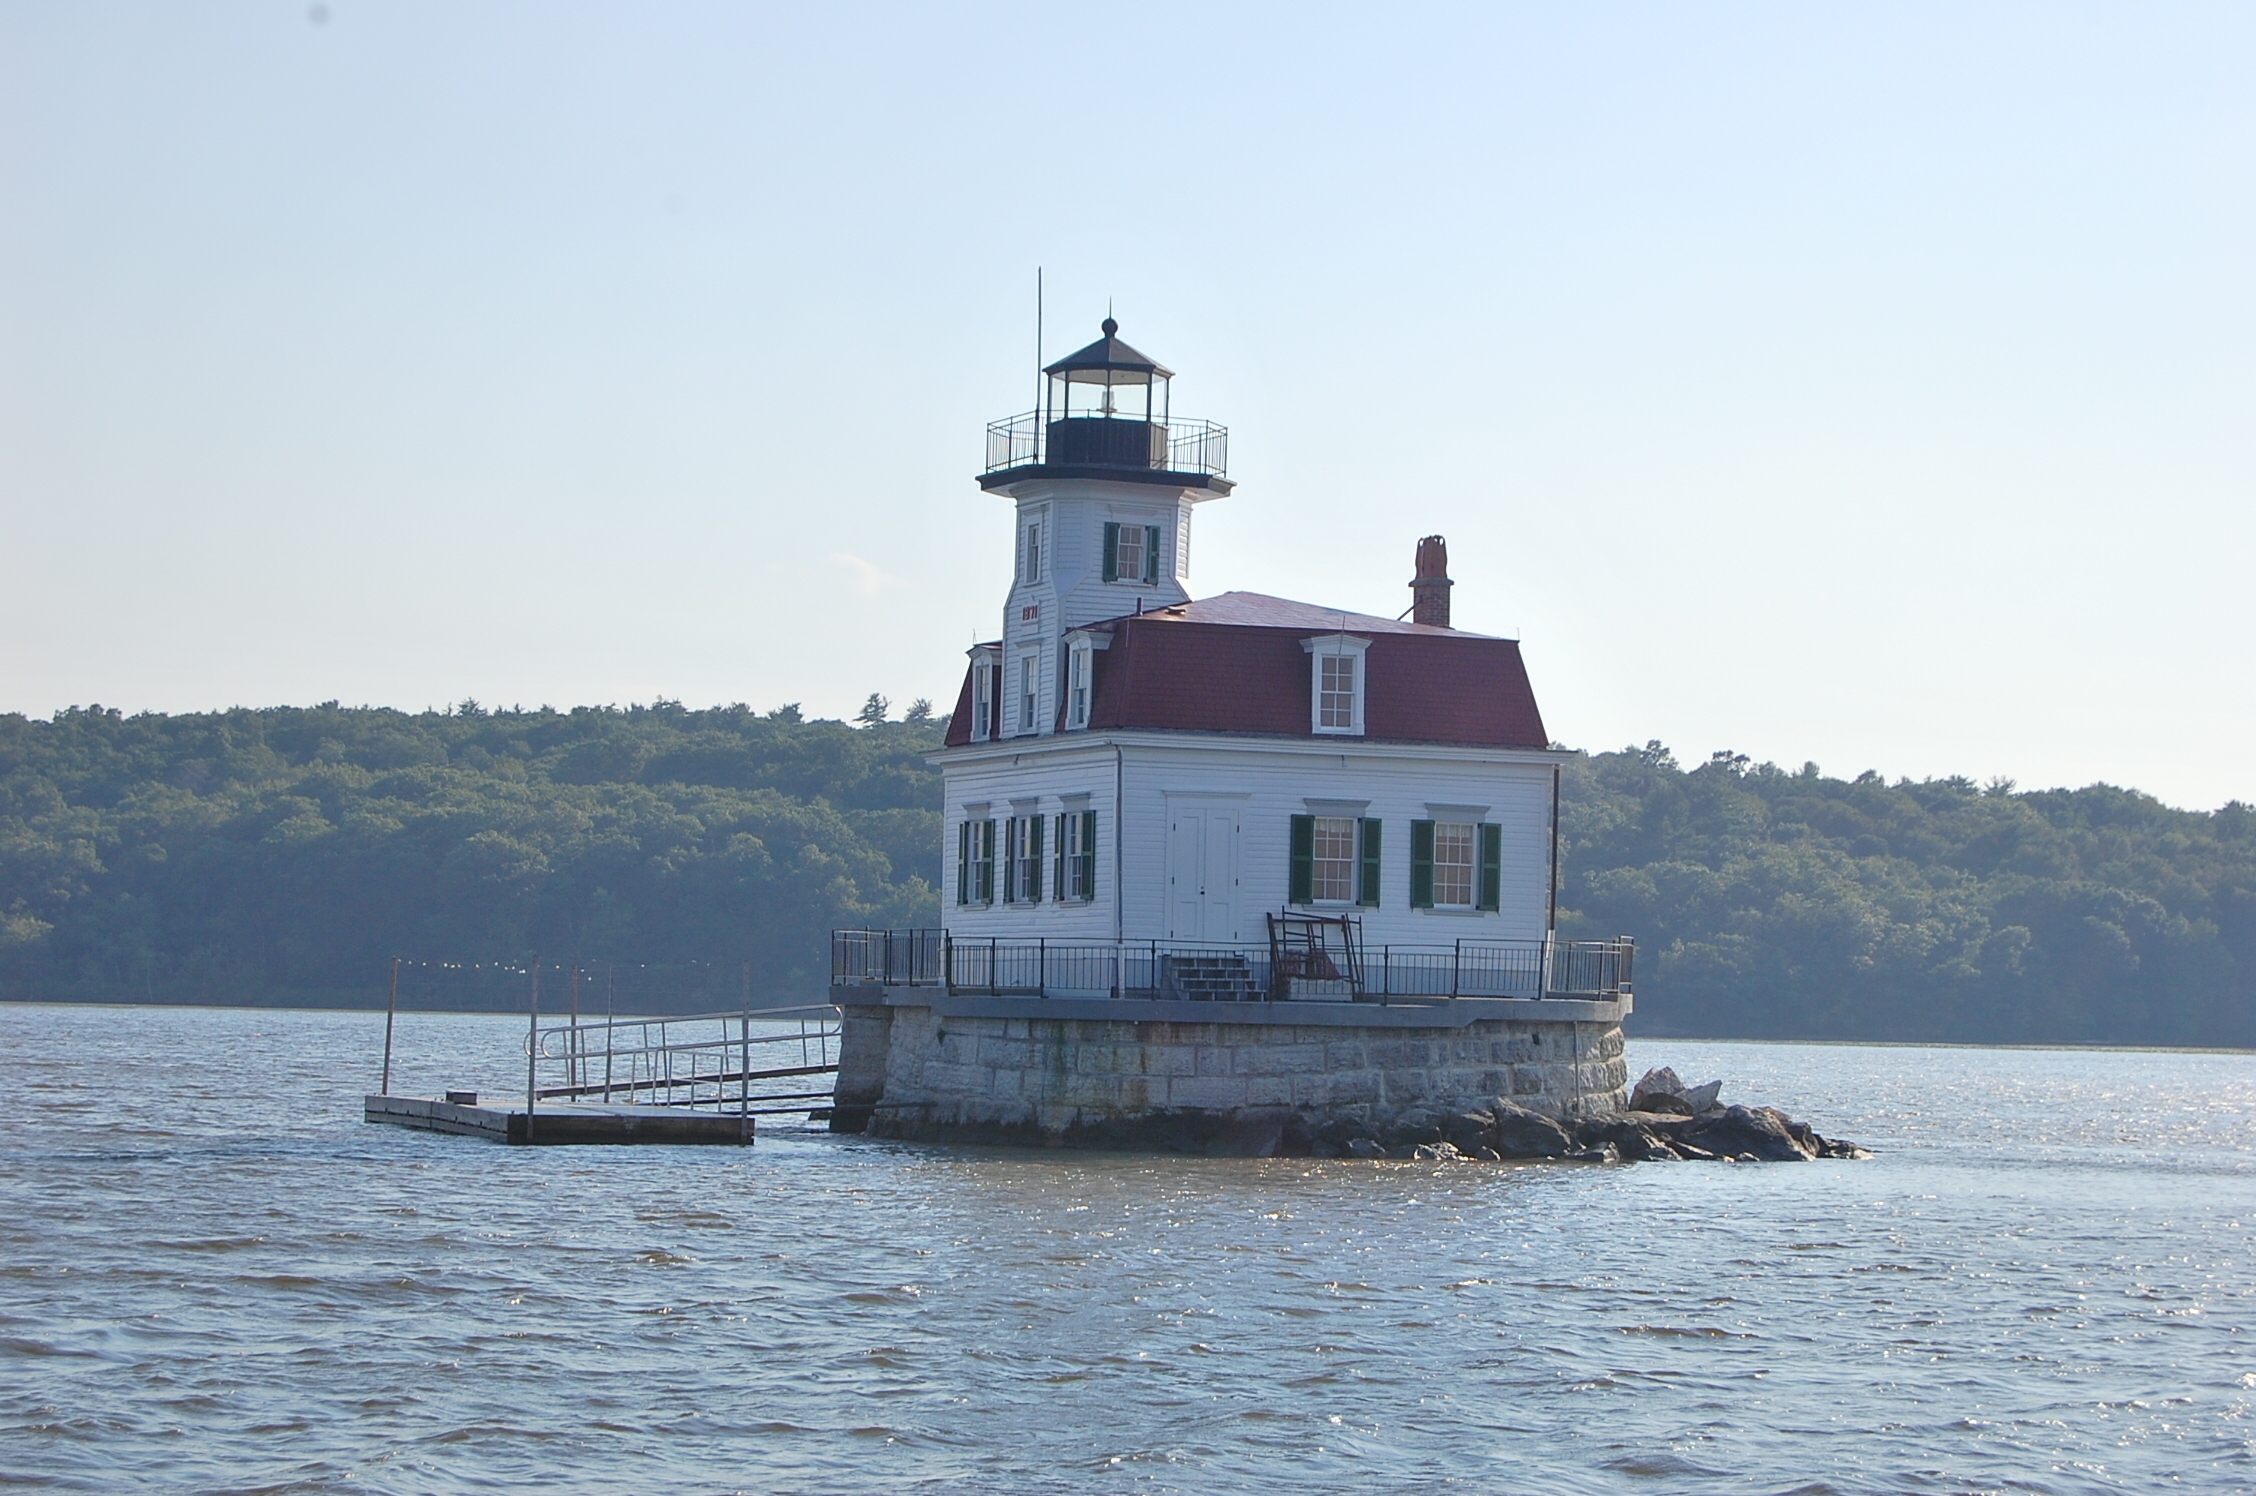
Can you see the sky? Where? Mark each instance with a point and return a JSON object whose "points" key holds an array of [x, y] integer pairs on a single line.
{"points": [[1861, 384]]}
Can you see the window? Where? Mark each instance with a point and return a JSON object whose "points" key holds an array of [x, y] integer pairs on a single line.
{"points": [[1077, 856], [1335, 860], [1335, 693], [1131, 553], [975, 862], [983, 695], [1029, 690], [1022, 860], [1031, 571], [1456, 865], [1452, 865], [1128, 556], [1336, 684], [1077, 688]]}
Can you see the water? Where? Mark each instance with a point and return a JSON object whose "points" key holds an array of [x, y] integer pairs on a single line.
{"points": [[215, 1277]]}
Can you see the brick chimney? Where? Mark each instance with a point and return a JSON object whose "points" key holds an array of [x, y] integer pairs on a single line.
{"points": [[1429, 589]]}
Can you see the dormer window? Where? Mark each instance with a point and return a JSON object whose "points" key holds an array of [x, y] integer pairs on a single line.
{"points": [[1081, 648], [986, 695], [1335, 684]]}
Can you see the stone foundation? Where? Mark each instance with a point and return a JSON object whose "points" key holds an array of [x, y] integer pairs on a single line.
{"points": [[1207, 1077]]}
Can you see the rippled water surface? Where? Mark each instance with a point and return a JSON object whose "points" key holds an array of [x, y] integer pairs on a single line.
{"points": [[214, 1276]]}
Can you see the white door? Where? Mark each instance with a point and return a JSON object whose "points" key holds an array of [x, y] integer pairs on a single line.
{"points": [[1202, 875]]}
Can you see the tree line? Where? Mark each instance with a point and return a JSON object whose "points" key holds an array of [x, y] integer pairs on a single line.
{"points": [[267, 854]]}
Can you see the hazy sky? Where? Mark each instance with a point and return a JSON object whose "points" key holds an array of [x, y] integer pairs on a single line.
{"points": [[1862, 384]]}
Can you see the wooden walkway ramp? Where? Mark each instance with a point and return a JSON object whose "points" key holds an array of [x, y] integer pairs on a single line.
{"points": [[562, 1123]]}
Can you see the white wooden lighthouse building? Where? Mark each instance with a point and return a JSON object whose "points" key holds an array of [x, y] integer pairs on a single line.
{"points": [[1155, 803]]}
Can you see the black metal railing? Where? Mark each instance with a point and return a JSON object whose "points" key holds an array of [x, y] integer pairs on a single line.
{"points": [[992, 965], [1176, 445]]}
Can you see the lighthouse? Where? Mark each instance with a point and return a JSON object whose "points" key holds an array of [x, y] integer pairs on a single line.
{"points": [[1320, 843]]}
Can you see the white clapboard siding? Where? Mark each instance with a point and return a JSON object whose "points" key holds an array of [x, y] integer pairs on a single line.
{"points": [[1267, 781]]}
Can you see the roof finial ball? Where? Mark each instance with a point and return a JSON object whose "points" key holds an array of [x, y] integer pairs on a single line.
{"points": [[1110, 327], [1429, 589]]}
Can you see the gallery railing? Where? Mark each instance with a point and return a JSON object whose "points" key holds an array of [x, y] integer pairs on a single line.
{"points": [[1524, 969], [1177, 444]]}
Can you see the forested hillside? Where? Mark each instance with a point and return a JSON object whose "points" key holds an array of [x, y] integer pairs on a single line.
{"points": [[294, 850], [288, 848], [1780, 904]]}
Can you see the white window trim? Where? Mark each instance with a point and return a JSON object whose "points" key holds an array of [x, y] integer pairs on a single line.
{"points": [[1334, 646], [1029, 669]]}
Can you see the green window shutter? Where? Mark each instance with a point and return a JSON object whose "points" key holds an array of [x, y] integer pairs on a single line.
{"points": [[1112, 552], [1303, 881], [1367, 872], [1421, 864], [1492, 867], [965, 877], [1088, 854], [1033, 890], [986, 862], [1151, 553]]}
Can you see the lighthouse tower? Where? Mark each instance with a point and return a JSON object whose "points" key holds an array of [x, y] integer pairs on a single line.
{"points": [[1104, 477]]}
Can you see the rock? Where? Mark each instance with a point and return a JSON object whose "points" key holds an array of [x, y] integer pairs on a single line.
{"points": [[1694, 1152], [1521, 1133], [1491, 1156], [1763, 1131], [1652, 1083], [1435, 1153], [1703, 1098], [1365, 1148], [1408, 1132], [1745, 1158], [1322, 1149], [1661, 1102], [1341, 1131], [1468, 1132], [1604, 1153], [1648, 1149]]}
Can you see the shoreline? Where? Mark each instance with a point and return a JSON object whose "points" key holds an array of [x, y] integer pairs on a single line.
{"points": [[2057, 1046]]}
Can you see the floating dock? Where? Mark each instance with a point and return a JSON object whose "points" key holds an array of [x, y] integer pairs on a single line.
{"points": [[566, 1122]]}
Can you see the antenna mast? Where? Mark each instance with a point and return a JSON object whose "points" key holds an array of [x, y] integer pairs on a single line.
{"points": [[1037, 348]]}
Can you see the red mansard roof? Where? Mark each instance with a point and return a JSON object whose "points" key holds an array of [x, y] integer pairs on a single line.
{"points": [[1234, 664]]}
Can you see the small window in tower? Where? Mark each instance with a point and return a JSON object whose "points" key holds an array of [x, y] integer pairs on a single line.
{"points": [[1335, 860], [1452, 865], [1130, 565], [1077, 687], [1029, 693], [1033, 553]]}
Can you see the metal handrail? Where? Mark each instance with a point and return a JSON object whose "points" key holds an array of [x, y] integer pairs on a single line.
{"points": [[994, 966], [1193, 446]]}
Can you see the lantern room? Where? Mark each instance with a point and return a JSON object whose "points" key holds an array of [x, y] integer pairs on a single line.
{"points": [[1106, 411], [1107, 405]]}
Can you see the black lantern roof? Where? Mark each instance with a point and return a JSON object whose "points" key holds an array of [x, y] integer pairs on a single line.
{"points": [[1106, 359]]}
